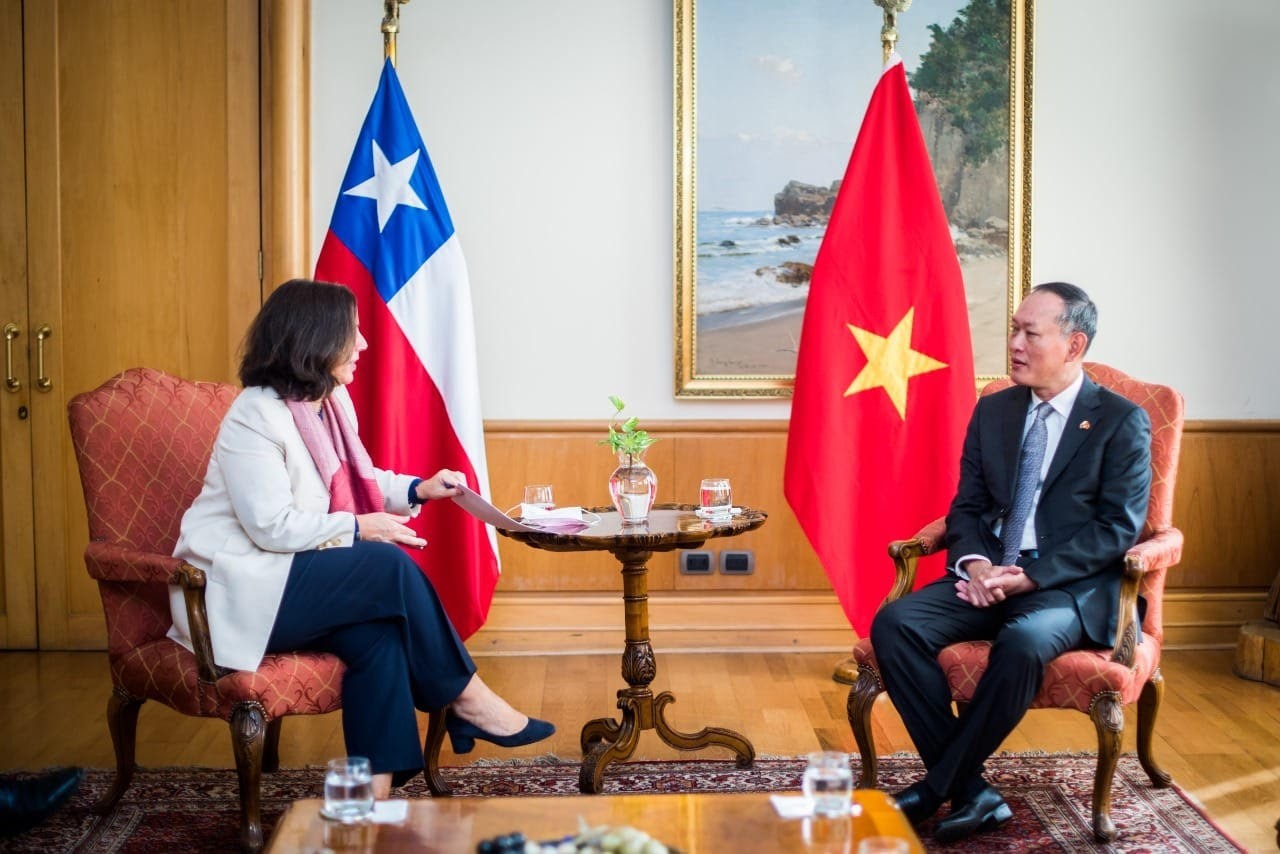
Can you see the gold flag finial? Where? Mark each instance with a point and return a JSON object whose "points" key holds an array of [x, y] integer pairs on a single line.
{"points": [[889, 32], [391, 28]]}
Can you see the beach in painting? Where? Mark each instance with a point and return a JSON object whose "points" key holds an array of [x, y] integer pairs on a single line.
{"points": [[750, 304]]}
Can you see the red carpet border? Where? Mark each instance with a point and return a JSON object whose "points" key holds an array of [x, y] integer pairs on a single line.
{"points": [[197, 809]]}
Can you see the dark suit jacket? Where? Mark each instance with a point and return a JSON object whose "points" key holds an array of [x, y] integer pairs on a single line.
{"points": [[1092, 506]]}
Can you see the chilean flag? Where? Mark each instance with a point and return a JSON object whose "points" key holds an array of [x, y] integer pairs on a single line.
{"points": [[417, 392]]}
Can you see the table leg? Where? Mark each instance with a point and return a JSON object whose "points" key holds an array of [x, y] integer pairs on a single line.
{"points": [[604, 740], [704, 737]]}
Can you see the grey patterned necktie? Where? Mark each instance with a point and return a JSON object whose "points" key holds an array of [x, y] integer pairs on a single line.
{"points": [[1029, 465]]}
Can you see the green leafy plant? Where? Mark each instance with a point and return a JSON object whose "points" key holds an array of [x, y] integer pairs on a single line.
{"points": [[626, 437]]}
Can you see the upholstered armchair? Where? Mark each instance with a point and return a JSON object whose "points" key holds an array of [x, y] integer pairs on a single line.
{"points": [[1097, 682], [143, 440]]}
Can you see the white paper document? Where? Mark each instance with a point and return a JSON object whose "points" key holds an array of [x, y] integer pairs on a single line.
{"points": [[561, 520]]}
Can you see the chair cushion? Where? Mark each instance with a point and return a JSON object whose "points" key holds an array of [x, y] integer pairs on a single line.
{"points": [[303, 683], [1071, 680]]}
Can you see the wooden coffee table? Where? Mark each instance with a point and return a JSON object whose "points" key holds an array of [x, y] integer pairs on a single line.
{"points": [[692, 823]]}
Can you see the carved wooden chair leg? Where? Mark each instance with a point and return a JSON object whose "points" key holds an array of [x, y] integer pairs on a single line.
{"points": [[122, 721], [861, 698], [1108, 718], [271, 749], [248, 736], [1148, 710], [431, 755]]}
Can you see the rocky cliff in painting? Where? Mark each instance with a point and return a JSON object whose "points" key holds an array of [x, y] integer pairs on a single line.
{"points": [[973, 196]]}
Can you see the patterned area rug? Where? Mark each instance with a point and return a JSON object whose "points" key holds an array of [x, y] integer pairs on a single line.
{"points": [[195, 809]]}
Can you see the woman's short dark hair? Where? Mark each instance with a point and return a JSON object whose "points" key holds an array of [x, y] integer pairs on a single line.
{"points": [[295, 342]]}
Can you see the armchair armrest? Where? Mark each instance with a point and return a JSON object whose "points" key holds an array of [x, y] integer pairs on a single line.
{"points": [[192, 582], [114, 562], [906, 555], [1158, 552]]}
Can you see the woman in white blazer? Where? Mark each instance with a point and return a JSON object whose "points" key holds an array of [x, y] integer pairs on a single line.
{"points": [[301, 542]]}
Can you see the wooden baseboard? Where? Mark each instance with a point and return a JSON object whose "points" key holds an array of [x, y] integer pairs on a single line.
{"points": [[1209, 619], [583, 623]]}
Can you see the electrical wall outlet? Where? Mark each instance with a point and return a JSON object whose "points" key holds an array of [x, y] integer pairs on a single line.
{"points": [[697, 562], [737, 562]]}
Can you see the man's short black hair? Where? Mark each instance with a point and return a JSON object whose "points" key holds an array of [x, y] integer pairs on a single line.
{"points": [[301, 332], [1079, 314]]}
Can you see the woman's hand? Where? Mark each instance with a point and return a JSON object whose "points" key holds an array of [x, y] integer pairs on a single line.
{"points": [[442, 484], [388, 528]]}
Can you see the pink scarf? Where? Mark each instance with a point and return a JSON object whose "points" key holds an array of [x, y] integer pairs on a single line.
{"points": [[339, 455]]}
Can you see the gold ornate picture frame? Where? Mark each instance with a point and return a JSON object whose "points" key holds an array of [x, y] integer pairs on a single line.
{"points": [[740, 271]]}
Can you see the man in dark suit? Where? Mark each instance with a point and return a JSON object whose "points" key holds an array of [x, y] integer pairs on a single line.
{"points": [[1054, 482]]}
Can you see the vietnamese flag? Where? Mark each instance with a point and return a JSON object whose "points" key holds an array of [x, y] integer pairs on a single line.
{"points": [[417, 394], [884, 378]]}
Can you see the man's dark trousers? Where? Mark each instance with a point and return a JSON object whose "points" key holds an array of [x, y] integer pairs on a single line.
{"points": [[1028, 632]]}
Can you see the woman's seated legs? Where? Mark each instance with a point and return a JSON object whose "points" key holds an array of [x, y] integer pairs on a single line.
{"points": [[378, 717], [338, 593]]}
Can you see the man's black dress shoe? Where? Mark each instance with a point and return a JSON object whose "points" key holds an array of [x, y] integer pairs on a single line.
{"points": [[463, 735], [918, 802], [985, 811], [24, 803]]}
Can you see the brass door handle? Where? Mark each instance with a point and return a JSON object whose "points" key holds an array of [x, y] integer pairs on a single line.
{"points": [[42, 332], [11, 382]]}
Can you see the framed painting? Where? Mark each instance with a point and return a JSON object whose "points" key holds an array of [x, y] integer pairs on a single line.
{"points": [[768, 100]]}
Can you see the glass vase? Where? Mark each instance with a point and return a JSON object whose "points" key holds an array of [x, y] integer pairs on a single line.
{"points": [[633, 486]]}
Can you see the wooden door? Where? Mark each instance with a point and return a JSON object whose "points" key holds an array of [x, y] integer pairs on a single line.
{"points": [[143, 230], [17, 563]]}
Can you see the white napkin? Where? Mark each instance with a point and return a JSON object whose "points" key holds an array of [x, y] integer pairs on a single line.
{"points": [[390, 812], [537, 511], [560, 520], [792, 806]]}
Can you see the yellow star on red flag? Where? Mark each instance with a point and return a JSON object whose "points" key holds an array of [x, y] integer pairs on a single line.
{"points": [[891, 362]]}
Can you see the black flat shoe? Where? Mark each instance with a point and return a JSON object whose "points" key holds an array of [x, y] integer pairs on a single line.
{"points": [[463, 735], [985, 811], [918, 802], [26, 803]]}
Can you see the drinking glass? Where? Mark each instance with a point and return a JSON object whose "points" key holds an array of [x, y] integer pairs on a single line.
{"points": [[715, 498], [883, 845], [827, 835], [828, 780], [538, 495], [348, 789]]}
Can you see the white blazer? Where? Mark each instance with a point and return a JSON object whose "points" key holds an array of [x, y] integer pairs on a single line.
{"points": [[262, 502]]}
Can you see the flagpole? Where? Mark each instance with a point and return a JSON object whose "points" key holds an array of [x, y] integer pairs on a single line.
{"points": [[391, 28], [889, 32], [846, 670]]}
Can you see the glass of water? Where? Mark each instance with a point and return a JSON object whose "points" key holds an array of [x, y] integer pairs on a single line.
{"points": [[538, 495], [828, 781], [348, 789], [715, 498]]}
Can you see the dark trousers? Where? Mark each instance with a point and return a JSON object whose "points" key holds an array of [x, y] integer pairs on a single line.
{"points": [[1028, 631], [372, 607]]}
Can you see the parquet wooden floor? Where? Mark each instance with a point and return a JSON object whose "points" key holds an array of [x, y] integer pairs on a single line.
{"points": [[1219, 736]]}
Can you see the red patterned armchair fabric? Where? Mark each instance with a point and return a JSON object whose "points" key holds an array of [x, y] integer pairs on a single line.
{"points": [[143, 441], [1096, 682]]}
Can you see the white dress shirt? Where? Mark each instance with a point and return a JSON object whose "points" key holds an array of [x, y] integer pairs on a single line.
{"points": [[1055, 422]]}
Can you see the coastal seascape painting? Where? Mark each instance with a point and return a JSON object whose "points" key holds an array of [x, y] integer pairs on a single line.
{"points": [[769, 101]]}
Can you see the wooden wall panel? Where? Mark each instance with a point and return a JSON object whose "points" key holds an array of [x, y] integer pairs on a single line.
{"points": [[567, 457], [1227, 504]]}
